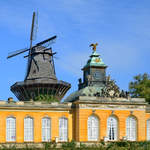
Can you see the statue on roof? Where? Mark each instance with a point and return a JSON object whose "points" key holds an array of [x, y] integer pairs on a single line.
{"points": [[94, 46]]}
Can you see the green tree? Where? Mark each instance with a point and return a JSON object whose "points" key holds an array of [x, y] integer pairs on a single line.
{"points": [[140, 87]]}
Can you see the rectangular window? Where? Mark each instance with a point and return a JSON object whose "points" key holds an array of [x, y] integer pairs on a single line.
{"points": [[10, 129], [131, 128], [112, 128], [28, 129], [148, 129], [93, 128], [63, 129], [46, 129]]}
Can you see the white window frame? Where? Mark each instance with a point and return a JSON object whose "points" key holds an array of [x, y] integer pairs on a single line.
{"points": [[63, 129], [148, 129], [46, 129], [112, 128], [93, 128], [131, 128], [10, 129], [28, 129]]}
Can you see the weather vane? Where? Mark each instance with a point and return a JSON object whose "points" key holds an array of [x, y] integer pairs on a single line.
{"points": [[94, 46]]}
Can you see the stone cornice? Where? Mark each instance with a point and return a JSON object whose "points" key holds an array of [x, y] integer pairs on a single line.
{"points": [[115, 101], [35, 106]]}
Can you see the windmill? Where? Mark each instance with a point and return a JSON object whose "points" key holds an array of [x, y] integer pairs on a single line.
{"points": [[40, 76]]}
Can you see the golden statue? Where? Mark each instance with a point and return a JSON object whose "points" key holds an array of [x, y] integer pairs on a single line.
{"points": [[94, 46]]}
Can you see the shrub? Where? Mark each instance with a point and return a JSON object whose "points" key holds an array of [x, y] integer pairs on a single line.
{"points": [[49, 145], [69, 145]]}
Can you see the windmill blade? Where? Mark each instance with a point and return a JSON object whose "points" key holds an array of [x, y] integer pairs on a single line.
{"points": [[34, 27], [32, 31], [12, 54], [47, 42]]}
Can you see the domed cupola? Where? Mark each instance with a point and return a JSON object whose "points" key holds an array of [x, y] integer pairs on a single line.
{"points": [[94, 73]]}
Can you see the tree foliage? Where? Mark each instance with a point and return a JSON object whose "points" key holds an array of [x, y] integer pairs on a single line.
{"points": [[140, 87]]}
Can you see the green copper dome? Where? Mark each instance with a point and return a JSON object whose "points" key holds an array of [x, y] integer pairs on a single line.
{"points": [[94, 78], [95, 60], [87, 91]]}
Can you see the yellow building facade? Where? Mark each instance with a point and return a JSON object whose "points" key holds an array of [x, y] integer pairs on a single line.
{"points": [[77, 124], [19, 111]]}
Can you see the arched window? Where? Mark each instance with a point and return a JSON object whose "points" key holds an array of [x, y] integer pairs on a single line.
{"points": [[28, 129], [10, 129], [46, 129], [112, 128], [131, 128], [148, 129], [63, 129], [93, 128]]}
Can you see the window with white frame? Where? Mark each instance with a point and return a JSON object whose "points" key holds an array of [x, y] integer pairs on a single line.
{"points": [[93, 128], [131, 128], [10, 129], [63, 129], [148, 129], [112, 128], [46, 129], [28, 129]]}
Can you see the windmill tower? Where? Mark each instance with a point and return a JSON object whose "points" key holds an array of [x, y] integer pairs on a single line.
{"points": [[40, 79]]}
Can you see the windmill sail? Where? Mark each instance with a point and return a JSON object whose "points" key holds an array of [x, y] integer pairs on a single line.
{"points": [[15, 53], [35, 28], [31, 35], [47, 42]]}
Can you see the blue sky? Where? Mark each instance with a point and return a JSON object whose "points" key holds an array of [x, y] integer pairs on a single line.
{"points": [[121, 27]]}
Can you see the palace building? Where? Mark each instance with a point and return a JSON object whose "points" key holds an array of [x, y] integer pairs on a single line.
{"points": [[97, 111]]}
